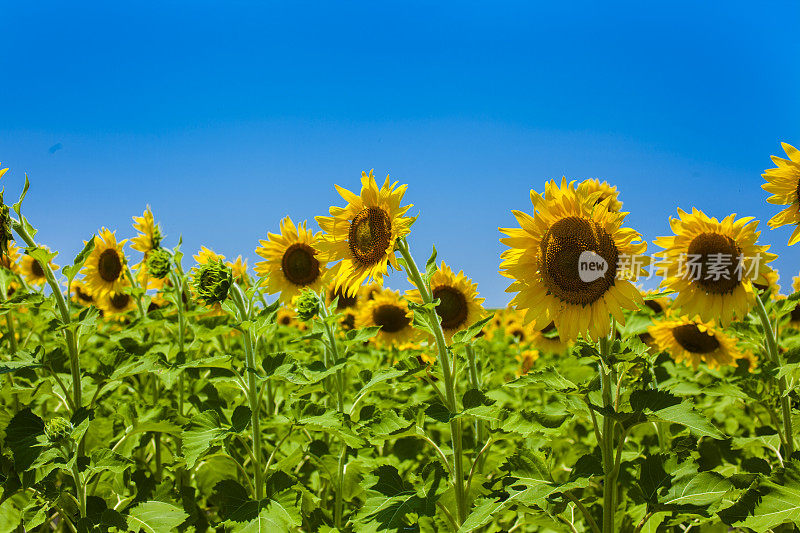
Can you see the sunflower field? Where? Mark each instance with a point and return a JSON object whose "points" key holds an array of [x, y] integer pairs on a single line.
{"points": [[147, 389]]}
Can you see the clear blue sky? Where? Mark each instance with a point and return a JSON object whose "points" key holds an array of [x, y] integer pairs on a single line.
{"points": [[225, 118]]}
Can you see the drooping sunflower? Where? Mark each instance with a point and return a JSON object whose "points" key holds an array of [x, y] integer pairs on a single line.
{"points": [[33, 271], [568, 233], [104, 270], [694, 341], [712, 264], [114, 304], [291, 260], [361, 236], [80, 293], [459, 305], [784, 184], [392, 314], [602, 191]]}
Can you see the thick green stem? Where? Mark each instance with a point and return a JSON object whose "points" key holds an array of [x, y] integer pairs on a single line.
{"points": [[480, 426], [177, 281], [450, 392], [12, 335], [63, 309], [775, 356], [253, 391], [607, 445], [329, 331]]}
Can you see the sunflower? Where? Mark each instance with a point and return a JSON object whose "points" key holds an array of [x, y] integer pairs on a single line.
{"points": [[794, 316], [115, 303], [526, 358], [784, 184], [149, 237], [520, 331], [695, 341], [369, 291], [239, 269], [547, 254], [361, 236], [104, 270], [10, 261], [287, 316], [291, 260], [81, 295], [392, 314], [602, 191], [33, 271], [459, 305], [659, 306], [712, 264], [548, 340], [205, 255], [769, 283]]}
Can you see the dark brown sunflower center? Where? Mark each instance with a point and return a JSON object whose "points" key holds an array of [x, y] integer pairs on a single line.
{"points": [[795, 314], [109, 265], [655, 306], [562, 248], [518, 333], [286, 320], [299, 264], [37, 269], [82, 295], [693, 340], [348, 322], [370, 235], [452, 308], [390, 317], [120, 300], [716, 258], [343, 301]]}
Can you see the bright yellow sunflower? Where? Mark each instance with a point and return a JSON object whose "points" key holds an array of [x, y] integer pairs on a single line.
{"points": [[694, 341], [80, 293], [526, 359], [602, 191], [239, 269], [459, 305], [784, 184], [519, 331], [712, 265], [769, 283], [361, 236], [205, 255], [33, 271], [369, 291], [114, 304], [287, 316], [104, 270], [548, 340], [291, 260], [147, 239], [392, 314], [551, 254], [794, 316], [10, 260]]}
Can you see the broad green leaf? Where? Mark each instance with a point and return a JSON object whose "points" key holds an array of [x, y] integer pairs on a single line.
{"points": [[202, 432], [155, 517]]}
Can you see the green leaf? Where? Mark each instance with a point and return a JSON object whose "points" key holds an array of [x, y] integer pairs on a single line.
{"points": [[22, 437], [203, 431], [70, 271], [430, 266], [155, 517], [466, 335], [696, 491], [779, 500], [240, 419], [684, 414]]}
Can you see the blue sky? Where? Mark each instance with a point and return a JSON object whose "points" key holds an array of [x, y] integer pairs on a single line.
{"points": [[225, 117]]}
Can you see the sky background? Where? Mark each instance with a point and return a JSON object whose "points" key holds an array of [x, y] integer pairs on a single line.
{"points": [[225, 117]]}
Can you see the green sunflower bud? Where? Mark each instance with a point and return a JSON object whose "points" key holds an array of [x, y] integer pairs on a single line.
{"points": [[58, 430], [307, 305], [5, 229], [159, 263], [212, 281], [156, 241]]}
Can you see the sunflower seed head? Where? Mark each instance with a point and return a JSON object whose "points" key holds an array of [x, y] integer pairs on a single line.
{"points": [[159, 263], [212, 281]]}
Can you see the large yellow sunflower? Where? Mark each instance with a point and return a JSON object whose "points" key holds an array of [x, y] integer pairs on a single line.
{"points": [[361, 236], [291, 260], [104, 270], [459, 305], [603, 192], [392, 314], [695, 341], [33, 271], [550, 255], [712, 265], [784, 184]]}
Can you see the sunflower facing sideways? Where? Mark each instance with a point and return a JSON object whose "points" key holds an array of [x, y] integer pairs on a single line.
{"points": [[33, 271], [784, 184], [604, 192], [361, 236], [147, 239], [392, 314], [713, 264], [547, 253], [693, 341], [104, 270], [290, 261], [459, 305]]}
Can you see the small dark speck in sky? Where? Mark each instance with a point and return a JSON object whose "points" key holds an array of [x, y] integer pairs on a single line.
{"points": [[55, 148]]}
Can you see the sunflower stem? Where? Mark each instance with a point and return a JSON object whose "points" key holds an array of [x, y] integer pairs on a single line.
{"points": [[775, 356], [253, 392], [177, 282], [450, 393], [330, 333], [480, 427], [607, 444]]}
